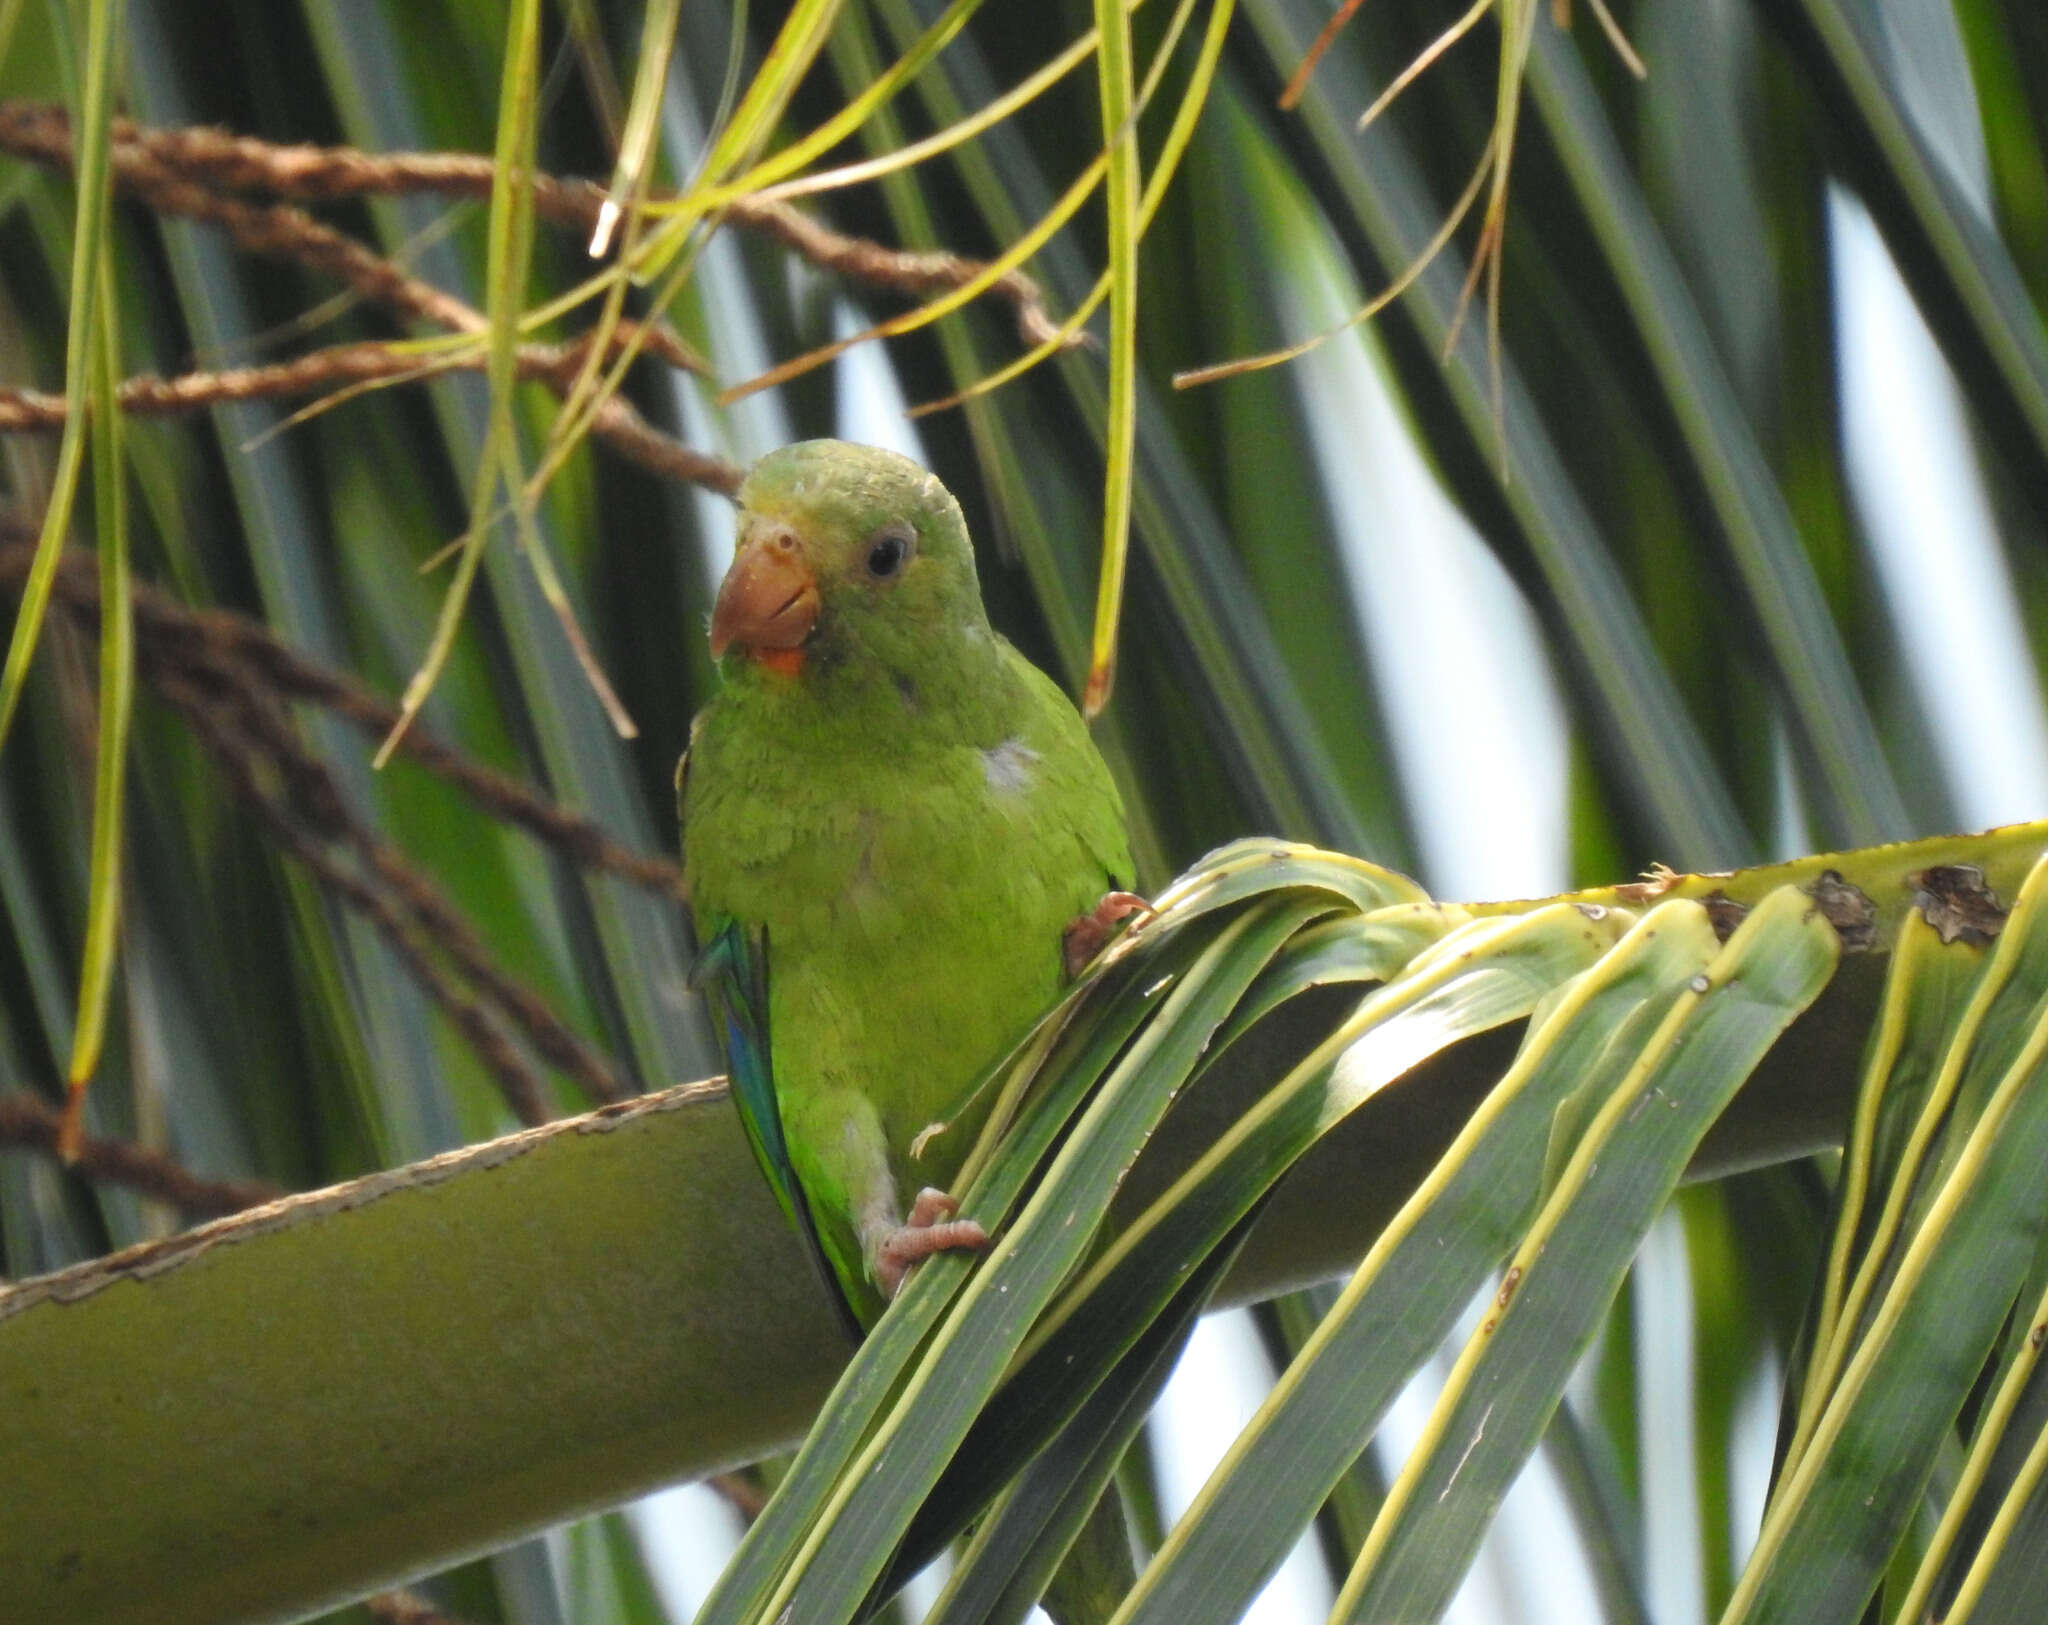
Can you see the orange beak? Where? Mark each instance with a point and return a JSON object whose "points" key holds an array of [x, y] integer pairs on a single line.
{"points": [[769, 599]]}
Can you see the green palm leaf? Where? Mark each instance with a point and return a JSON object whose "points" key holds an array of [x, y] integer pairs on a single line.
{"points": [[1305, 1070]]}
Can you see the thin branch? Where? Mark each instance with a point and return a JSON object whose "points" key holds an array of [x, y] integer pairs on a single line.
{"points": [[345, 367], [28, 1121], [906, 271], [450, 932], [240, 163], [245, 734], [42, 133], [741, 1492], [146, 168], [200, 664], [285, 816], [406, 1608], [222, 638]]}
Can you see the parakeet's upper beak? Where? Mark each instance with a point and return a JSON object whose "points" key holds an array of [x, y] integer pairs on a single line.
{"points": [[769, 599]]}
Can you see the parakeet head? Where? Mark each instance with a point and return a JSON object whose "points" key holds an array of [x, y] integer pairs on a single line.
{"points": [[853, 563]]}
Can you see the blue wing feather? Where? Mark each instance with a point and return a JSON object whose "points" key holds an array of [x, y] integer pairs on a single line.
{"points": [[732, 971]]}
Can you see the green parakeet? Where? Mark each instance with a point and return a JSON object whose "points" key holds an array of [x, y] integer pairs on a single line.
{"points": [[899, 840]]}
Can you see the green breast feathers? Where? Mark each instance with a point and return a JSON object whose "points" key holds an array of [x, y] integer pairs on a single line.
{"points": [[892, 826]]}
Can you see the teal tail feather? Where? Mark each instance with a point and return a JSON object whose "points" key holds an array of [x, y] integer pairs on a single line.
{"points": [[732, 972]]}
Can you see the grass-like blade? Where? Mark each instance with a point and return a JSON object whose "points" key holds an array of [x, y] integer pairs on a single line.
{"points": [[2002, 1585], [1114, 79], [83, 336], [1812, 665], [511, 255], [1378, 198], [1964, 276], [1571, 1262], [635, 161], [116, 706], [1256, 864], [1025, 1266], [1478, 979], [1115, 1003], [1985, 1447], [1026, 1534], [1411, 1287], [2004, 1541], [1927, 988], [1844, 1503]]}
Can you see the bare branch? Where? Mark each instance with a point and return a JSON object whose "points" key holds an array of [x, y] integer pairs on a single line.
{"points": [[229, 678], [347, 366], [221, 638], [29, 1121], [406, 1608], [146, 167], [222, 160]]}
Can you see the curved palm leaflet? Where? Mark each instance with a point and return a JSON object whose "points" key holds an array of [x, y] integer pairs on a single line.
{"points": [[998, 1394]]}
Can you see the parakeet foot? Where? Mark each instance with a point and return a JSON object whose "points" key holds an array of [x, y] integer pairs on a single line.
{"points": [[931, 1228], [1087, 934]]}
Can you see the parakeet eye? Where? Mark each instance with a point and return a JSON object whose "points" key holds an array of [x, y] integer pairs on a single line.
{"points": [[889, 550]]}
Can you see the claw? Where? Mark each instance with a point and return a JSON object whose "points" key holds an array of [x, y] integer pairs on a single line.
{"points": [[931, 1228], [1087, 934]]}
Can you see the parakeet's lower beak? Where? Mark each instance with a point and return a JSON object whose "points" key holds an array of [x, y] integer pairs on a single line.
{"points": [[769, 599]]}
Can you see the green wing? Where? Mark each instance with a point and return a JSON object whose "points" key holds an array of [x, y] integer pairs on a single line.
{"points": [[732, 972]]}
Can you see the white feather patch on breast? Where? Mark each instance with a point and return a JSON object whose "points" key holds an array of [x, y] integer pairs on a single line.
{"points": [[1008, 767]]}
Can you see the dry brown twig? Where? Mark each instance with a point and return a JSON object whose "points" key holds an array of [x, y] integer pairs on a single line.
{"points": [[32, 1123], [348, 366], [741, 1491], [219, 638], [404, 1607], [192, 172], [283, 231], [310, 174], [304, 814], [230, 679]]}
